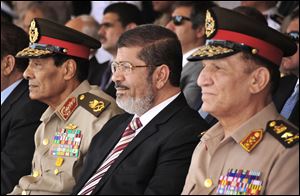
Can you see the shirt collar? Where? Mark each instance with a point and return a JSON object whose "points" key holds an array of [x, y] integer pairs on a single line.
{"points": [[6, 92], [150, 114], [270, 11], [186, 55]]}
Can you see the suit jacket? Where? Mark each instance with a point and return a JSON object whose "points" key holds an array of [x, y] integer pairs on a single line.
{"points": [[284, 91], [188, 84], [157, 159], [96, 73], [20, 118]]}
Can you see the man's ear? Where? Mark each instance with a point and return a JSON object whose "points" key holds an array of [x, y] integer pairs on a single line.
{"points": [[8, 64], [161, 76], [200, 32], [130, 26], [70, 67], [260, 78]]}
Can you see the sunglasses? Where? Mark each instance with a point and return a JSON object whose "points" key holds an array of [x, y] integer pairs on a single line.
{"points": [[178, 20], [294, 35]]}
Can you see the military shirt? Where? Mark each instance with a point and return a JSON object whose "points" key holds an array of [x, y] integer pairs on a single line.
{"points": [[63, 138], [224, 166]]}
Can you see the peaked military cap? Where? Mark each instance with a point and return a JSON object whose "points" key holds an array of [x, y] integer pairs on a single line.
{"points": [[48, 38], [229, 32]]}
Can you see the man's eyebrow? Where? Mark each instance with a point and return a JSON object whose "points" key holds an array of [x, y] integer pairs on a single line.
{"points": [[106, 24]]}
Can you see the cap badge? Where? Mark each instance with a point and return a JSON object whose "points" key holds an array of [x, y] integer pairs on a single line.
{"points": [[209, 24], [33, 32]]}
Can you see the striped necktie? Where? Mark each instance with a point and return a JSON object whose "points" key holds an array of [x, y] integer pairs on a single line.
{"points": [[126, 138]]}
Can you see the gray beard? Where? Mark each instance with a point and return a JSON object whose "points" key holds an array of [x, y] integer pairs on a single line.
{"points": [[137, 106]]}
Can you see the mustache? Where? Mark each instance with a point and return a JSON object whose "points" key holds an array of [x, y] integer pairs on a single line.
{"points": [[102, 37], [118, 85]]}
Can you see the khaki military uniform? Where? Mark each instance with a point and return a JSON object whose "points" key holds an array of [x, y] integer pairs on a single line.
{"points": [[63, 138], [260, 157]]}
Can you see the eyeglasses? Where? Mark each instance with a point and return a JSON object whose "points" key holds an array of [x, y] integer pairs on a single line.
{"points": [[294, 35], [125, 67], [178, 20]]}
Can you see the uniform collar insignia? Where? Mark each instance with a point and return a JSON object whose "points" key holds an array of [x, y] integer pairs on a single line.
{"points": [[251, 140], [68, 108]]}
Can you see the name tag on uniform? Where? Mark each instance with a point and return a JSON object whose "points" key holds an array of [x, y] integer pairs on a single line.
{"points": [[66, 142]]}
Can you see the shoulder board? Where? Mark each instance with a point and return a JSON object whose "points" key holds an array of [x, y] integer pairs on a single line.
{"points": [[287, 135], [92, 103], [68, 108]]}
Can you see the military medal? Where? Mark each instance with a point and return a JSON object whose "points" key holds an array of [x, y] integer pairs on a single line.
{"points": [[240, 182], [66, 142]]}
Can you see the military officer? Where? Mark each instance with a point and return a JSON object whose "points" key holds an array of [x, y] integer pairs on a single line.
{"points": [[58, 66], [252, 149]]}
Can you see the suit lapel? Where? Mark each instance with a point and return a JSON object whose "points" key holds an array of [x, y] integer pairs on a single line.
{"points": [[151, 128], [105, 146], [13, 97]]}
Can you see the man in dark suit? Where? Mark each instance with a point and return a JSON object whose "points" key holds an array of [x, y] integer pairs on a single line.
{"points": [[286, 97], [188, 18], [117, 18], [285, 90], [20, 116], [153, 154]]}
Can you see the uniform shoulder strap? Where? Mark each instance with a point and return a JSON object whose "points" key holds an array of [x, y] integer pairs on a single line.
{"points": [[93, 103], [286, 134]]}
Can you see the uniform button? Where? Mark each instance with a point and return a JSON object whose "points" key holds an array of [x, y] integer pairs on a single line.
{"points": [[56, 171], [59, 161], [45, 141], [24, 193], [207, 182], [35, 173]]}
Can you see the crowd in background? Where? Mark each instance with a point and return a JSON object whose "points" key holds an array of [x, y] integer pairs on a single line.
{"points": [[115, 26]]}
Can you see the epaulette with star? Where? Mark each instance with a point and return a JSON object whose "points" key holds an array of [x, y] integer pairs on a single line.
{"points": [[287, 135], [92, 103]]}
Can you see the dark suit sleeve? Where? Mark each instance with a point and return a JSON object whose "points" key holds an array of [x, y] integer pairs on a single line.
{"points": [[17, 152], [173, 163]]}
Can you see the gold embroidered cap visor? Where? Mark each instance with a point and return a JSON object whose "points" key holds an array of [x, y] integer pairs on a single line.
{"points": [[229, 32], [34, 51], [48, 38]]}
